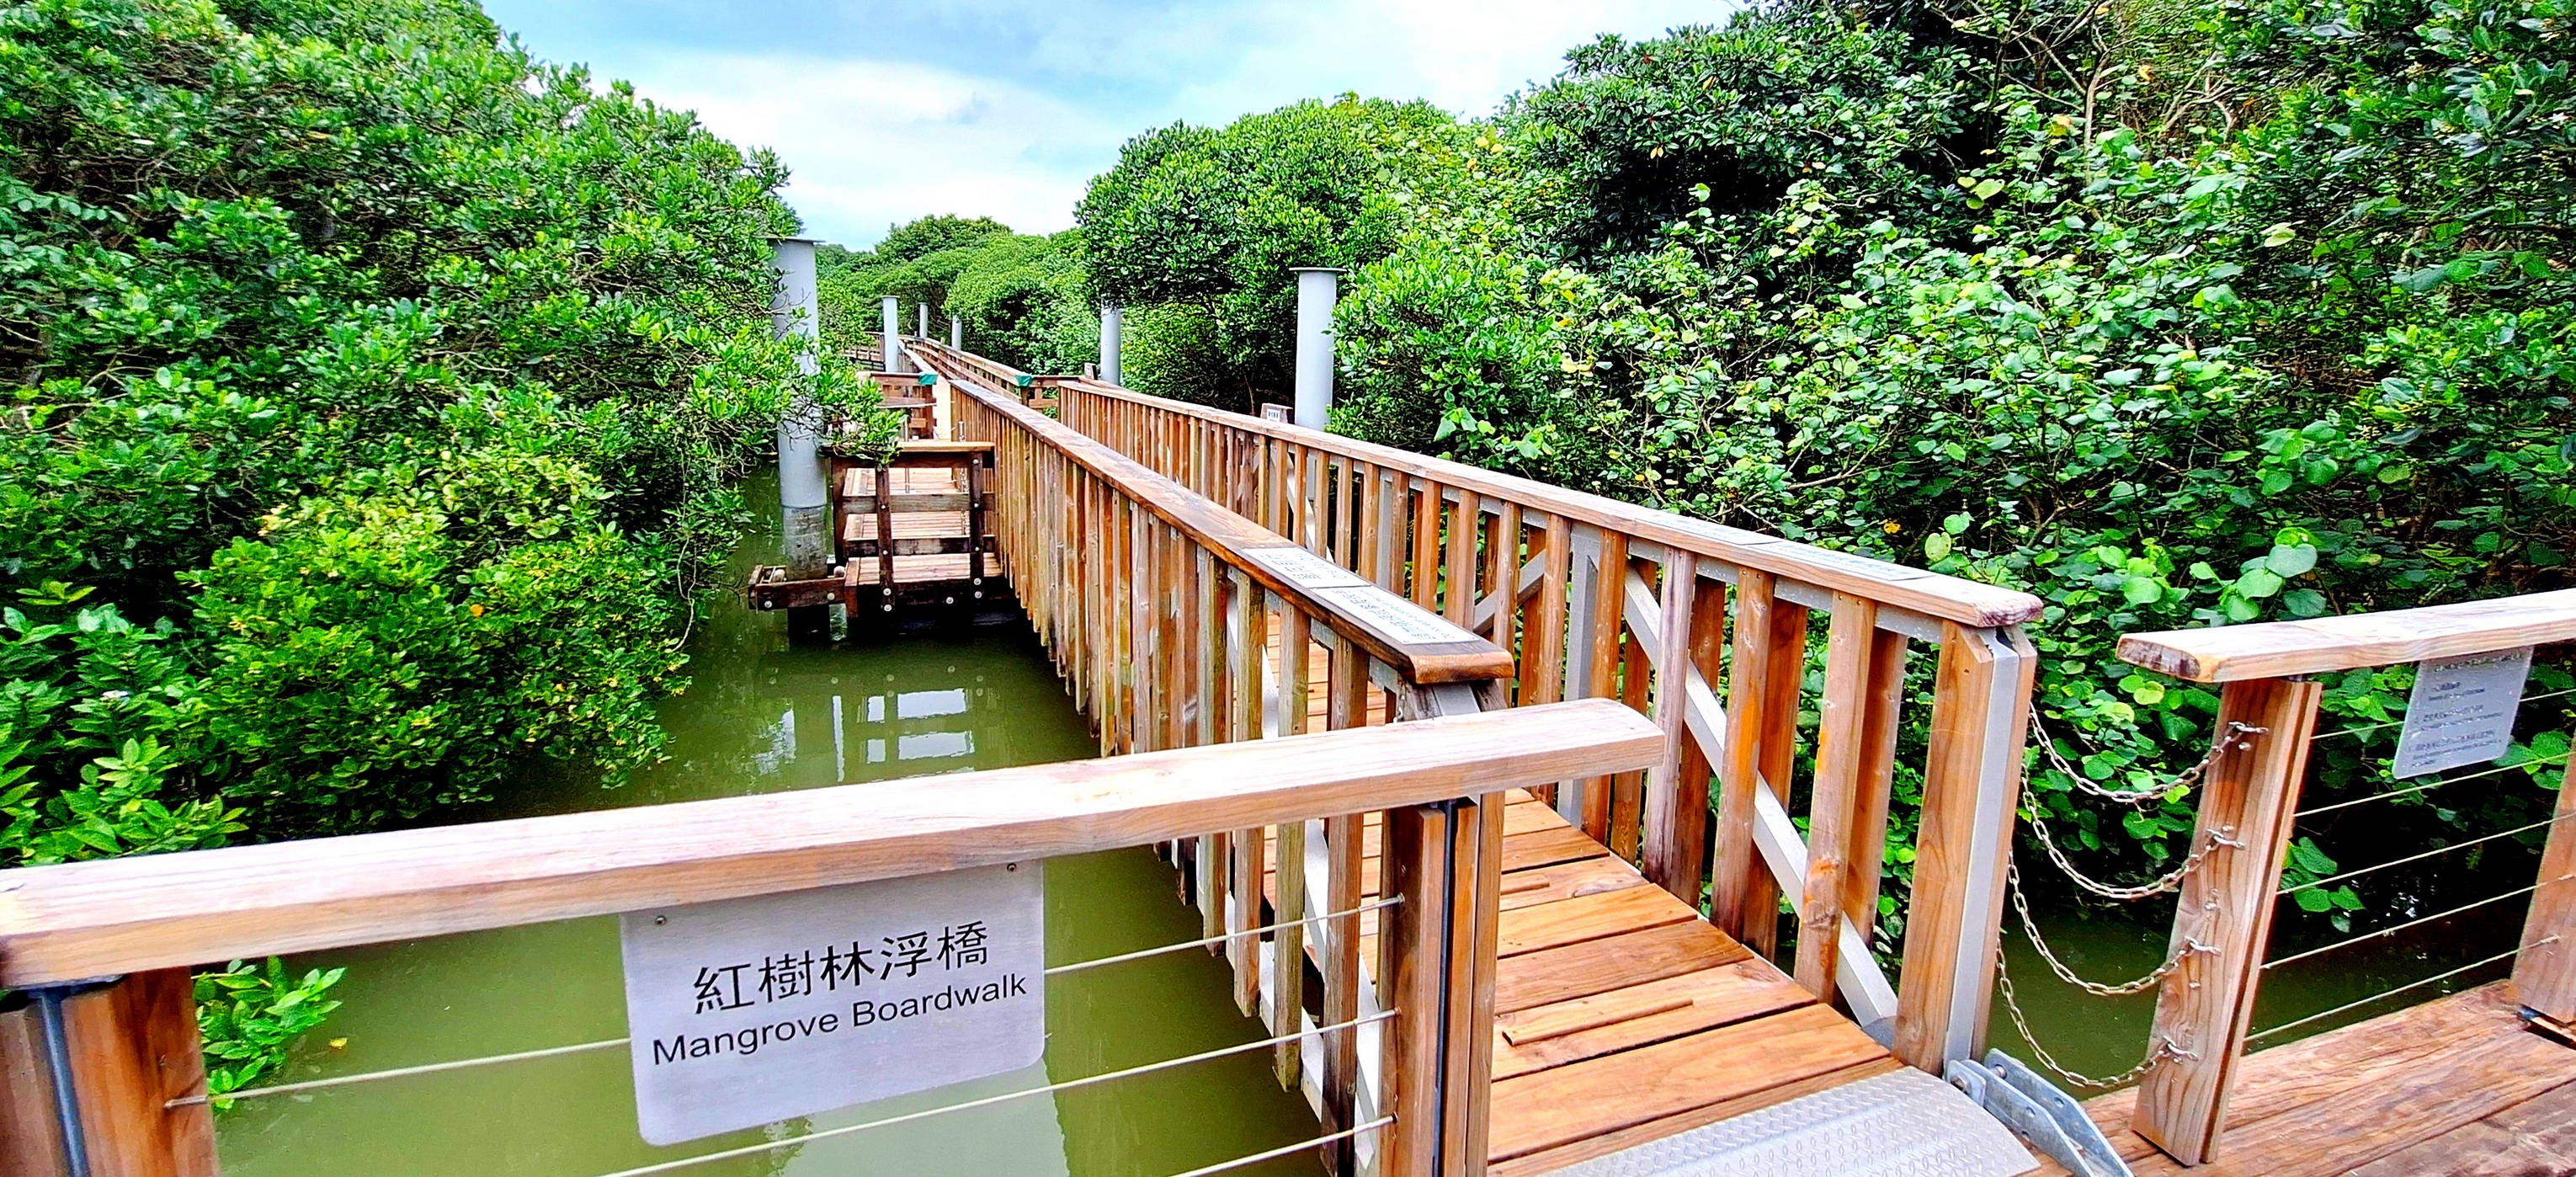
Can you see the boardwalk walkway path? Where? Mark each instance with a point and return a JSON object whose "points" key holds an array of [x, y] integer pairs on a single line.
{"points": [[1620, 1015]]}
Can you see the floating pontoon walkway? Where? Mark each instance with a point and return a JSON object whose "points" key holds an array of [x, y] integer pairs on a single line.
{"points": [[1620, 1016], [2450, 1088]]}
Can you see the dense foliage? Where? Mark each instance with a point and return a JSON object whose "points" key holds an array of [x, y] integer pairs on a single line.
{"points": [[372, 394], [249, 1015], [2174, 316], [1195, 231], [1020, 298]]}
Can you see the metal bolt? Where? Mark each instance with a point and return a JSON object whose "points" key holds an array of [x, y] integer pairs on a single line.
{"points": [[660, 920]]}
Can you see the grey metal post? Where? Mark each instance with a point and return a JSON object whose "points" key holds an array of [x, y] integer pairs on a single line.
{"points": [[1317, 289], [891, 355], [1110, 324], [48, 1001], [804, 524], [921, 320], [956, 333]]}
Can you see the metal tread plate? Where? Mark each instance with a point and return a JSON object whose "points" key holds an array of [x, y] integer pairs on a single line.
{"points": [[1901, 1124]]}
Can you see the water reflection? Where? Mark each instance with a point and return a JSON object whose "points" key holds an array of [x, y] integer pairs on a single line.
{"points": [[762, 716]]}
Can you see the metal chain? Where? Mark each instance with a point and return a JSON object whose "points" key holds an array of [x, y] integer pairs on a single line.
{"points": [[2171, 880], [2030, 928], [2162, 1049], [2232, 737]]}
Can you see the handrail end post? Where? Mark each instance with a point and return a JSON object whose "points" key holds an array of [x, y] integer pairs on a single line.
{"points": [[116, 1060], [1972, 783], [2224, 914]]}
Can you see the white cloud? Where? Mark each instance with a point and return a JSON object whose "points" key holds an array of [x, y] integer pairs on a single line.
{"points": [[1003, 108], [873, 143], [1464, 55]]}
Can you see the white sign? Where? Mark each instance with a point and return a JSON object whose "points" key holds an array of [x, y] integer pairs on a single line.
{"points": [[1303, 568], [1396, 617], [2462, 711], [747, 1011]]}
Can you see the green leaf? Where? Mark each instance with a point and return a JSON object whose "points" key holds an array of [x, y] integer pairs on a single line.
{"points": [[2287, 560], [2425, 280], [2258, 584]]}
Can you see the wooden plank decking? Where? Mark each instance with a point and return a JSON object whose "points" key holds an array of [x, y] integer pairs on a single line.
{"points": [[1621, 1016], [2453, 1087]]}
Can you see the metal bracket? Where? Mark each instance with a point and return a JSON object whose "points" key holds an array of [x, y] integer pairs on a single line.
{"points": [[2038, 1112]]}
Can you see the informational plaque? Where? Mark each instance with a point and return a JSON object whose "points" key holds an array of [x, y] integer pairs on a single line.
{"points": [[2461, 712], [1305, 569], [747, 1011], [1397, 617]]}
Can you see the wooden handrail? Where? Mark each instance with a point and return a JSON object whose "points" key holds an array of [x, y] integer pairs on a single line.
{"points": [[1159, 606], [1937, 595], [1458, 657], [2323, 645], [63, 923], [1605, 599], [2249, 800]]}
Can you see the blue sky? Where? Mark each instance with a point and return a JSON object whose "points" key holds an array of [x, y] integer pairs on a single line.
{"points": [[1003, 108]]}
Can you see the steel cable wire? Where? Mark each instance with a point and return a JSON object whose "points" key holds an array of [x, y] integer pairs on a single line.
{"points": [[611, 1043], [1005, 1097]]}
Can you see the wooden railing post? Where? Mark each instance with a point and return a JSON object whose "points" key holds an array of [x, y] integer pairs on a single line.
{"points": [[1971, 782], [2206, 1004], [2544, 979], [1676, 811], [1440, 967], [30, 1141], [132, 1048]]}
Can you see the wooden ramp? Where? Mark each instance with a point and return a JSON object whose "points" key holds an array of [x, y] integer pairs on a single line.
{"points": [[2453, 1087], [920, 529], [1621, 1017]]}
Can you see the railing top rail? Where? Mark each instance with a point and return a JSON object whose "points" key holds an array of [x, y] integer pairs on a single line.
{"points": [[92, 919], [1950, 598], [2324, 645], [1455, 656]]}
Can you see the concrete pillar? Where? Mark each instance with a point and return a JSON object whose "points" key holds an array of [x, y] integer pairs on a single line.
{"points": [[804, 519], [891, 354], [1110, 324], [956, 333], [1317, 289]]}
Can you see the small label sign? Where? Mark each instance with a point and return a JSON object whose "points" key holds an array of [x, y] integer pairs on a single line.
{"points": [[1396, 617], [748, 1011], [2461, 711], [1303, 568]]}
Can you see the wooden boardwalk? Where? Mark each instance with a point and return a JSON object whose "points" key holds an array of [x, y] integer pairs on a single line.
{"points": [[2453, 1087], [1622, 1017]]}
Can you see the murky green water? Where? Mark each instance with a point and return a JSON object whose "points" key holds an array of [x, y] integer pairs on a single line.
{"points": [[762, 716]]}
